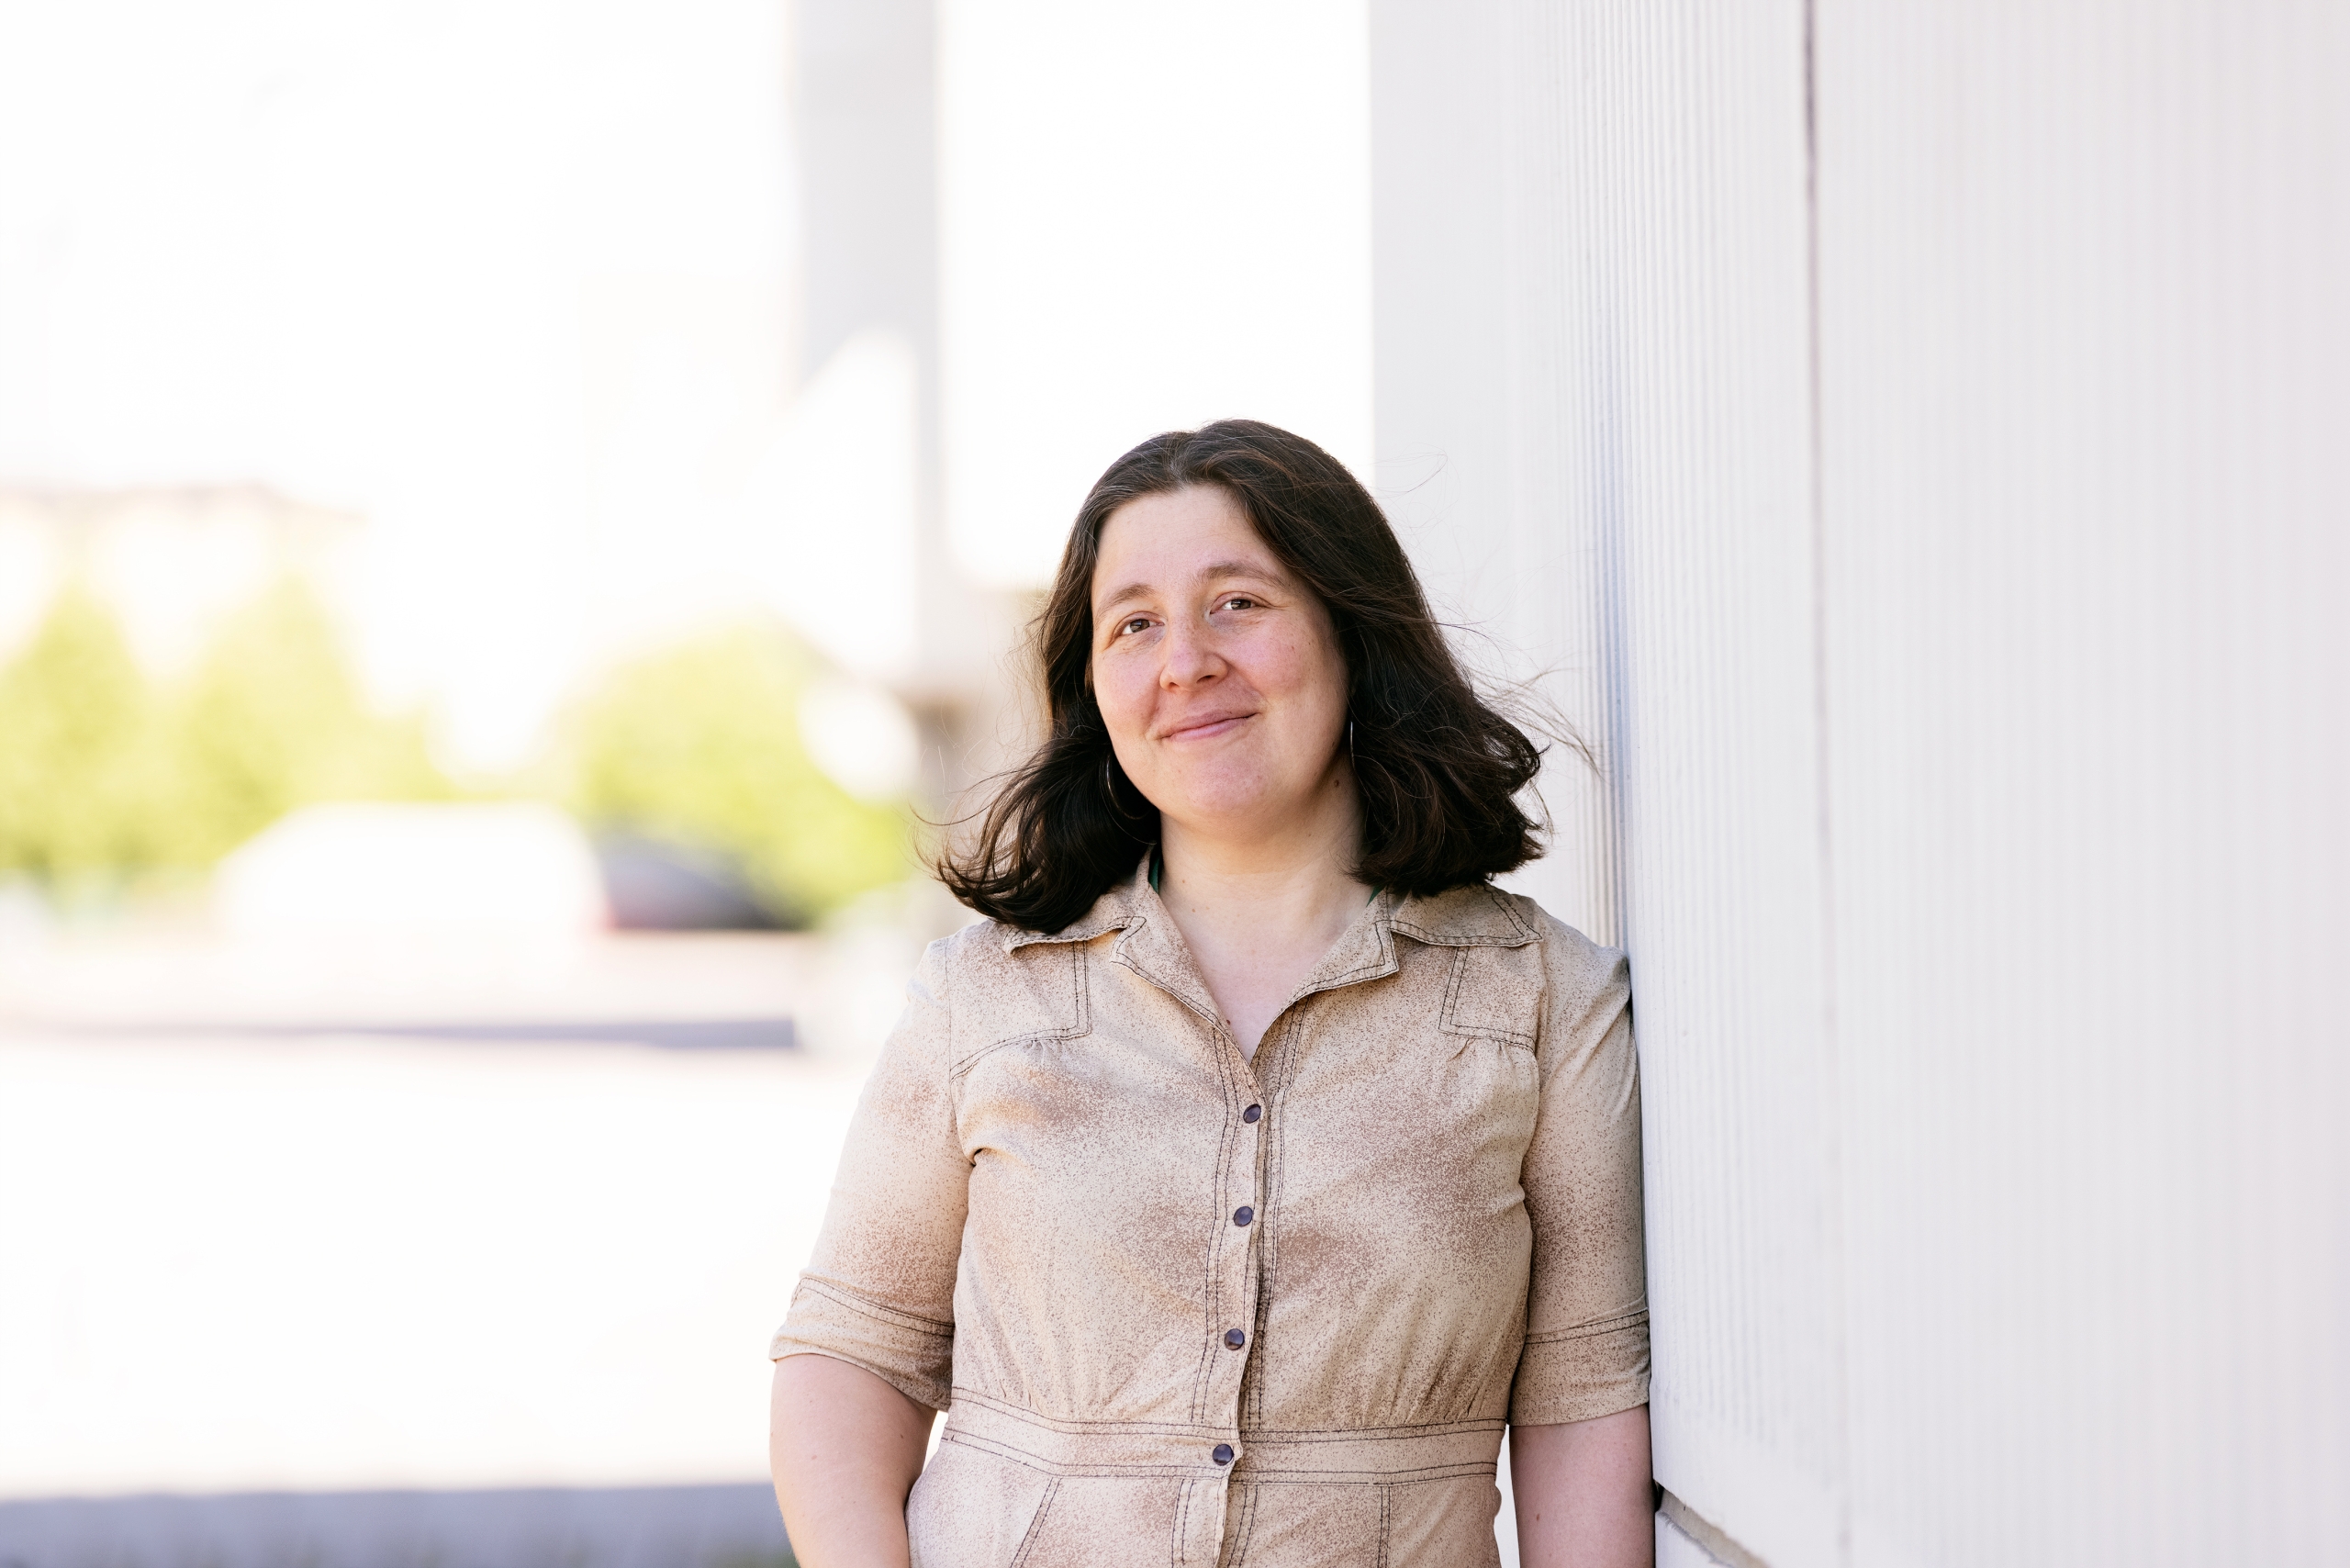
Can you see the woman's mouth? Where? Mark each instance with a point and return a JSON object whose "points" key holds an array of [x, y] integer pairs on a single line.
{"points": [[1207, 729]]}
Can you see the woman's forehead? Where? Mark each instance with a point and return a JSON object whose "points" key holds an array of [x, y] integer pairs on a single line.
{"points": [[1175, 540]]}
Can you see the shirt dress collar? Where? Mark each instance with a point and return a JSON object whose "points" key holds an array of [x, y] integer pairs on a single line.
{"points": [[1149, 944]]}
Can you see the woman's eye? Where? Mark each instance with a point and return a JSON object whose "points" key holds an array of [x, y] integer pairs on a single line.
{"points": [[1135, 624], [1240, 600]]}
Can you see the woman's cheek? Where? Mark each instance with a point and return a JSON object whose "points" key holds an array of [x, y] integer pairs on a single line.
{"points": [[1283, 663], [1123, 707]]}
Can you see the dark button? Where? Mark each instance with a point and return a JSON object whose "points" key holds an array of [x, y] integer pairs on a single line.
{"points": [[1252, 1113], [1223, 1454], [1243, 1214], [1233, 1339]]}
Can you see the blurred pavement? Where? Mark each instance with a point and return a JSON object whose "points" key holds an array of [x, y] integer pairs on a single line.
{"points": [[288, 1222]]}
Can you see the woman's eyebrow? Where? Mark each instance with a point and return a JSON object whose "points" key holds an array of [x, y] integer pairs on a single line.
{"points": [[1132, 590], [1205, 574], [1236, 569]]}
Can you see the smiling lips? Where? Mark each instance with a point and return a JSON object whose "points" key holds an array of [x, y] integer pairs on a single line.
{"points": [[1206, 729]]}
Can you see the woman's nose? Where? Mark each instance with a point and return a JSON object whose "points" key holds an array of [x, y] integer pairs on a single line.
{"points": [[1190, 660]]}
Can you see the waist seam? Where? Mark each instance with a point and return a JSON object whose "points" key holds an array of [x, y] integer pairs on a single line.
{"points": [[1368, 1455]]}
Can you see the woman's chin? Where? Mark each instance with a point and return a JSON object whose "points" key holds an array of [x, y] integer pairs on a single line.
{"points": [[1239, 816]]}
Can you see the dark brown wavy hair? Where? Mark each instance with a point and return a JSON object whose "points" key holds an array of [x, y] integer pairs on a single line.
{"points": [[1438, 769]]}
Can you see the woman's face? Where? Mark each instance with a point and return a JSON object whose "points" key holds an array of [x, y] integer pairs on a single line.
{"points": [[1218, 674]]}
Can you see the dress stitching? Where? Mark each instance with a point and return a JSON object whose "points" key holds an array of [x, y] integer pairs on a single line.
{"points": [[1082, 1026], [835, 1293], [1119, 955], [1374, 1434], [1269, 1243], [1044, 1466], [1452, 989], [1015, 940], [1037, 1525], [1222, 1051], [1410, 1431], [1252, 1380], [1590, 1330], [1449, 1017], [1424, 1474], [1376, 969]]}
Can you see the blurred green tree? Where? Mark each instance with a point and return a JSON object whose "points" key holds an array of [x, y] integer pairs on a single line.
{"points": [[79, 751], [274, 720], [700, 744], [104, 778]]}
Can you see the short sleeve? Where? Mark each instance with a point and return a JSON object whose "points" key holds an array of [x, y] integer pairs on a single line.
{"points": [[880, 1291], [1587, 1323]]}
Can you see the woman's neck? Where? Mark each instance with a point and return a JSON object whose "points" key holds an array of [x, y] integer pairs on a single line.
{"points": [[1260, 912]]}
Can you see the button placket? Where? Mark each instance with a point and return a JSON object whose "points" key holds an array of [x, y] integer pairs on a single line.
{"points": [[1242, 1222], [1236, 1269], [1237, 1273]]}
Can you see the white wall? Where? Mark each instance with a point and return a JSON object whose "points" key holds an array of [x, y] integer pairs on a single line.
{"points": [[1951, 567]]}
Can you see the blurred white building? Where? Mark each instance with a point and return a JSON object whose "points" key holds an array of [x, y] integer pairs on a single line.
{"points": [[519, 286], [658, 315], [171, 562]]}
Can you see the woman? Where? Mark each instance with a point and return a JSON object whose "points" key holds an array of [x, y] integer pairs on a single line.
{"points": [[1237, 1179]]}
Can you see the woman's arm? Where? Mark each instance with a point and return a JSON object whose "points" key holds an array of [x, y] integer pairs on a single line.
{"points": [[846, 1448], [1582, 1493]]}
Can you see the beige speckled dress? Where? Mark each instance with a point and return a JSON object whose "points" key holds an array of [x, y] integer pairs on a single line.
{"points": [[1183, 1309]]}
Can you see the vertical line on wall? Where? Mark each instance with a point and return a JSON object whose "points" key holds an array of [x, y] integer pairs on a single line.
{"points": [[1829, 1043]]}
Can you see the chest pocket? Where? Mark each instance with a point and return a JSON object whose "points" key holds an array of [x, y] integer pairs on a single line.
{"points": [[1495, 994], [1039, 996]]}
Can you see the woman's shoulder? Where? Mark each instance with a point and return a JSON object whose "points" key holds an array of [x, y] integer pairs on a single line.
{"points": [[1513, 950], [1480, 914], [996, 982], [987, 942], [975, 943], [1568, 956], [1584, 987]]}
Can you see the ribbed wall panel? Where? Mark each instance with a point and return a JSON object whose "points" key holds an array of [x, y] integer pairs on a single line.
{"points": [[2088, 625], [1976, 810], [1626, 492], [1469, 343], [1690, 455]]}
